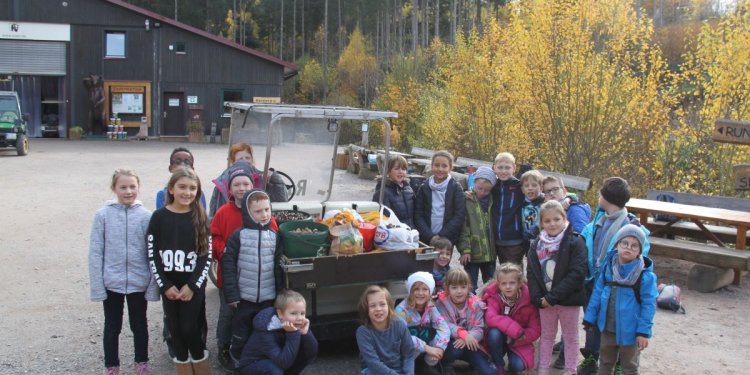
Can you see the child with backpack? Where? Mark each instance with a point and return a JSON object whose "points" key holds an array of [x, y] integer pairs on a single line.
{"points": [[556, 269], [118, 269], [623, 303]]}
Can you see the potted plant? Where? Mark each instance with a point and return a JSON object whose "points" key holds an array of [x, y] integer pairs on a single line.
{"points": [[195, 132], [75, 133]]}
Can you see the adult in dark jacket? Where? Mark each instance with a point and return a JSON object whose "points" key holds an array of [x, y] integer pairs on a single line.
{"points": [[398, 195], [452, 207], [276, 347]]}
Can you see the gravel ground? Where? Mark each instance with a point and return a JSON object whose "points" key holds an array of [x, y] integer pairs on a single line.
{"points": [[49, 326]]}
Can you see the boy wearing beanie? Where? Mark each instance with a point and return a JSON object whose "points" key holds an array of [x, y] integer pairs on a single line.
{"points": [[601, 238], [477, 245], [623, 302]]}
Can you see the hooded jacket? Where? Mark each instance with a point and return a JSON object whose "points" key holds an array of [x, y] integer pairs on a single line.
{"points": [[476, 235], [530, 217], [570, 271], [453, 215], [632, 319], [118, 259], [270, 341], [251, 263], [590, 231], [399, 199], [507, 200], [523, 320], [431, 317], [474, 317]]}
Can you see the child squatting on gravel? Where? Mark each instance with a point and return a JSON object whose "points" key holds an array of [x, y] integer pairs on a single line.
{"points": [[118, 269]]}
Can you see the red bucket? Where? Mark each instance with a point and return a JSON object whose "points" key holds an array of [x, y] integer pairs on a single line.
{"points": [[368, 235]]}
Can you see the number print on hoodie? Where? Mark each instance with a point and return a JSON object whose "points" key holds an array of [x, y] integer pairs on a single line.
{"points": [[171, 251]]}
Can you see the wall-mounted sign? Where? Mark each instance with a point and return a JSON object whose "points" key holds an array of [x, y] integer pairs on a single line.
{"points": [[192, 99], [34, 31], [127, 103], [742, 177], [174, 102], [730, 131], [267, 99]]}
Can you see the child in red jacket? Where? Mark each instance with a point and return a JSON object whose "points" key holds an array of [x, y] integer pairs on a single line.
{"points": [[511, 321]]}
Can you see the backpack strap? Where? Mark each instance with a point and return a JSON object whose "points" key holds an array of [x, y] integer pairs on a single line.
{"points": [[636, 287]]}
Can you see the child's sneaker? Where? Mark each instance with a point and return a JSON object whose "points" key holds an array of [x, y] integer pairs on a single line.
{"points": [[225, 360], [556, 347], [618, 368], [560, 361], [142, 368], [112, 371], [590, 363]]}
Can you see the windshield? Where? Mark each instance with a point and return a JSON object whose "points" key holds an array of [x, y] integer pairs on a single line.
{"points": [[303, 149], [8, 109]]}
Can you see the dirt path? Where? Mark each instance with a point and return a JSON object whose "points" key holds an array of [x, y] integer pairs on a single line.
{"points": [[49, 326]]}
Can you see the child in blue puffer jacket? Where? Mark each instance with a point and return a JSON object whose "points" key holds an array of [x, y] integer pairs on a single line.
{"points": [[623, 303]]}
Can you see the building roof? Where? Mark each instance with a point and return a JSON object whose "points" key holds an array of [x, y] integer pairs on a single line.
{"points": [[289, 68]]}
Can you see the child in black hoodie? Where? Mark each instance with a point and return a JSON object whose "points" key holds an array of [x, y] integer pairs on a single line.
{"points": [[282, 342]]}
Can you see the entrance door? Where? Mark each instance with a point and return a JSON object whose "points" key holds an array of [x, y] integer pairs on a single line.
{"points": [[174, 113]]}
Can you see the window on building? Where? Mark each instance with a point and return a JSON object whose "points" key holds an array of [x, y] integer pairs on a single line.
{"points": [[115, 44], [230, 96], [179, 48]]}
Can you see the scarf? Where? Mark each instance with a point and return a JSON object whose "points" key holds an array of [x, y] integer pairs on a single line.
{"points": [[510, 304], [626, 274], [618, 220], [438, 203]]}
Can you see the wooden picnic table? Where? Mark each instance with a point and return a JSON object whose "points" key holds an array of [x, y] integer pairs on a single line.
{"points": [[696, 214]]}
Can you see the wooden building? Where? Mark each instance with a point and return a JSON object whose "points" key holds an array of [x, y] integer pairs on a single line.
{"points": [[154, 69]]}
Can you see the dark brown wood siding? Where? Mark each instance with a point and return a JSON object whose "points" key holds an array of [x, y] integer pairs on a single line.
{"points": [[205, 69]]}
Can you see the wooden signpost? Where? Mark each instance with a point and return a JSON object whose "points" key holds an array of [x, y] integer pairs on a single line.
{"points": [[730, 131]]}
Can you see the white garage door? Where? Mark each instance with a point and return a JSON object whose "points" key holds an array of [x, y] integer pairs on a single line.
{"points": [[32, 57]]}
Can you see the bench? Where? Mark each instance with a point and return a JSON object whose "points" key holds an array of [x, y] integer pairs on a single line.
{"points": [[715, 264], [691, 230]]}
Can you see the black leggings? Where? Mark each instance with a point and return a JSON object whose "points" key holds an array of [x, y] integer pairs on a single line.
{"points": [[184, 324], [113, 309]]}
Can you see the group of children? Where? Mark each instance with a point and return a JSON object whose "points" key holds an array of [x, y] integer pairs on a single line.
{"points": [[572, 262], [138, 256]]}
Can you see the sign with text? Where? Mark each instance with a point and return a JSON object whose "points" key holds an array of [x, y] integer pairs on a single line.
{"points": [[742, 177], [34, 31], [730, 131], [267, 99]]}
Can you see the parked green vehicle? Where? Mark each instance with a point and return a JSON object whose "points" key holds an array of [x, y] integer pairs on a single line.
{"points": [[13, 123]]}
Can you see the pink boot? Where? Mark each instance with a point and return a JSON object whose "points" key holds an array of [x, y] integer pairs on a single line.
{"points": [[142, 368], [112, 371]]}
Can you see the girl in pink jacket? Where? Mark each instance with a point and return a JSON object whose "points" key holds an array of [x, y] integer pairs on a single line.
{"points": [[511, 321]]}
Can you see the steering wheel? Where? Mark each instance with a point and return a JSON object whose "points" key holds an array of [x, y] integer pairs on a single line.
{"points": [[291, 188]]}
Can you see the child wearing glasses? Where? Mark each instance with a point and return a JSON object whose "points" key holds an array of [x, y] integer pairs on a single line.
{"points": [[623, 304], [600, 236], [578, 213]]}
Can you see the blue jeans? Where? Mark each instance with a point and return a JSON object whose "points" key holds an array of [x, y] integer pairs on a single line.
{"points": [[224, 325], [479, 361], [499, 348], [488, 272]]}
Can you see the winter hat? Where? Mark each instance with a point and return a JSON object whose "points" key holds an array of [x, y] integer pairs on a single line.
{"points": [[631, 230], [616, 191], [486, 173], [420, 276], [237, 173]]}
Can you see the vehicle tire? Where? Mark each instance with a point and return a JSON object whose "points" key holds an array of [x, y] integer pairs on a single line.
{"points": [[212, 273], [22, 145]]}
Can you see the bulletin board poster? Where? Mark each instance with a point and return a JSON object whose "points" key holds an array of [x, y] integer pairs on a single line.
{"points": [[127, 103]]}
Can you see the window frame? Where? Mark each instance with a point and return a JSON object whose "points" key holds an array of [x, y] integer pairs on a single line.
{"points": [[107, 33], [225, 112]]}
